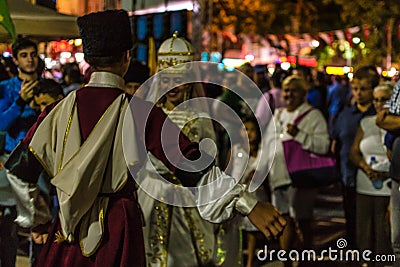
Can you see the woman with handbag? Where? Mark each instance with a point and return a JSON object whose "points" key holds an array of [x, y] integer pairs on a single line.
{"points": [[305, 125]]}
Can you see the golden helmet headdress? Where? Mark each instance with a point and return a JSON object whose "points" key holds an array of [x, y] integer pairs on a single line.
{"points": [[173, 52]]}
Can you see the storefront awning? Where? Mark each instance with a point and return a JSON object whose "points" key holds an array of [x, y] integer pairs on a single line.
{"points": [[39, 22]]}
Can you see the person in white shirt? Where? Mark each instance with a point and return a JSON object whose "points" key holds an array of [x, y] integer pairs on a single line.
{"points": [[368, 153]]}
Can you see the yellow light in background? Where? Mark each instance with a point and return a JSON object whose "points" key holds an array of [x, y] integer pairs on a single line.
{"points": [[332, 70], [271, 71], [362, 45], [233, 62], [78, 42], [348, 53], [350, 75], [389, 73], [271, 68]]}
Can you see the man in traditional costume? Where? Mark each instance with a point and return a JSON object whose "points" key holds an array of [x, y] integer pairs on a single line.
{"points": [[79, 144]]}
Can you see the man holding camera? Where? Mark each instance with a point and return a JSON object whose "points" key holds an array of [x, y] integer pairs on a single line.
{"points": [[17, 115]]}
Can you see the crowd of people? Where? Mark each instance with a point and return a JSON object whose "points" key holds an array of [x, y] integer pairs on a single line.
{"points": [[64, 176]]}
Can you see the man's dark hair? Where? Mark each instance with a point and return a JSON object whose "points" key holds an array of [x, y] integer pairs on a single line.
{"points": [[101, 62], [48, 86], [277, 78], [306, 71], [22, 43], [72, 71], [368, 72]]}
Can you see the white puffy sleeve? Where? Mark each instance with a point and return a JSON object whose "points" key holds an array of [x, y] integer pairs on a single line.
{"points": [[225, 197]]}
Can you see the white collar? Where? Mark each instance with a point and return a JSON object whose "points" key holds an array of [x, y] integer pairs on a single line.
{"points": [[106, 79]]}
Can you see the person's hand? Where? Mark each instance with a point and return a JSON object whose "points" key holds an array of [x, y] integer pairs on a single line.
{"points": [[249, 177], [292, 129], [333, 146], [39, 238], [375, 175], [382, 175], [27, 90], [371, 173], [267, 219], [381, 115], [389, 154], [40, 233]]}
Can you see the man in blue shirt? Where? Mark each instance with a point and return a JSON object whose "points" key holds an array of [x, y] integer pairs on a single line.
{"points": [[17, 115], [343, 133], [337, 94]]}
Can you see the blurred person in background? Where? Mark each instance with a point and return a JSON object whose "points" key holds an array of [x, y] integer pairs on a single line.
{"points": [[312, 133], [4, 75], [72, 77], [344, 130], [242, 105], [389, 119], [45, 93], [314, 96], [136, 75], [242, 162], [17, 115], [368, 153], [9, 69], [337, 94], [261, 77], [271, 98]]}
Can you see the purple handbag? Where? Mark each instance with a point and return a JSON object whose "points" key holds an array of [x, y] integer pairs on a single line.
{"points": [[307, 169]]}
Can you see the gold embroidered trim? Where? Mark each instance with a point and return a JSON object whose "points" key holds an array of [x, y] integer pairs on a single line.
{"points": [[188, 53], [40, 161], [202, 253], [159, 241], [97, 123], [101, 219], [66, 136]]}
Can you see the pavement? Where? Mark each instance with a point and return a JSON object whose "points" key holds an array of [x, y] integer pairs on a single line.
{"points": [[329, 226]]}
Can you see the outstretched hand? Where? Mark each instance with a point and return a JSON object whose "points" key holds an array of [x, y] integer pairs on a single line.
{"points": [[40, 233], [267, 219], [39, 238]]}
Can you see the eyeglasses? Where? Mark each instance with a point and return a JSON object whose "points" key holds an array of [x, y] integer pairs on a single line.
{"points": [[177, 80], [362, 88], [292, 90], [381, 100]]}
